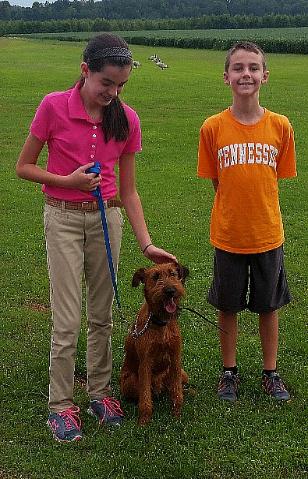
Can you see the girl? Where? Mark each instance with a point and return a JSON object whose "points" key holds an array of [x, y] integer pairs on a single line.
{"points": [[84, 124]]}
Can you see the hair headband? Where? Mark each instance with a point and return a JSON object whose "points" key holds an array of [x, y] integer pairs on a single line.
{"points": [[112, 52]]}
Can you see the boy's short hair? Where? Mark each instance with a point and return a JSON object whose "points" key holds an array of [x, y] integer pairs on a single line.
{"points": [[249, 46]]}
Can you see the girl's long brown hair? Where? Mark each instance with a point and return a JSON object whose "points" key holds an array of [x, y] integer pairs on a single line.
{"points": [[115, 124]]}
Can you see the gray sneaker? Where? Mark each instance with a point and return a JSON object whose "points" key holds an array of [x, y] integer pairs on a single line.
{"points": [[228, 386], [273, 386]]}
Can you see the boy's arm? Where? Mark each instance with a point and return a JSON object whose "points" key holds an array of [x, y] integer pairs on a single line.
{"points": [[207, 163], [286, 163], [215, 183]]}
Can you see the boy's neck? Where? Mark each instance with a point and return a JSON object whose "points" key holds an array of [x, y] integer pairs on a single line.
{"points": [[247, 112]]}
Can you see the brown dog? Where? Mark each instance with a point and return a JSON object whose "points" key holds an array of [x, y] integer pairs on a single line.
{"points": [[153, 348]]}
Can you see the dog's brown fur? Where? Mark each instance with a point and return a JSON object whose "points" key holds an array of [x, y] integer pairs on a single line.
{"points": [[153, 360]]}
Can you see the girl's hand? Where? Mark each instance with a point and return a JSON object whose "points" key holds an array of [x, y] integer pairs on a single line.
{"points": [[28, 169], [158, 255], [81, 180]]}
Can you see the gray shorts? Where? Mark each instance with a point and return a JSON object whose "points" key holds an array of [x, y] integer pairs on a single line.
{"points": [[254, 281]]}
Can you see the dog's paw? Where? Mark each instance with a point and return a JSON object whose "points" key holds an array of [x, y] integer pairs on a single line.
{"points": [[176, 410], [144, 419], [189, 389]]}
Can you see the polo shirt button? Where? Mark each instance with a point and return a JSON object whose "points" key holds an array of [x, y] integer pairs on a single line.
{"points": [[93, 146], [94, 136], [94, 127], [91, 156]]}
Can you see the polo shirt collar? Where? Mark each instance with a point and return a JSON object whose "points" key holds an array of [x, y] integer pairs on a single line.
{"points": [[76, 107]]}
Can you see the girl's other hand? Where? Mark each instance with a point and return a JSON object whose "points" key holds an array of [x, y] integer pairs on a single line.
{"points": [[158, 255]]}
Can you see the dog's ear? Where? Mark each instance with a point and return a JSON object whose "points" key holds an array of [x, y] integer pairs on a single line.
{"points": [[183, 272], [139, 277]]}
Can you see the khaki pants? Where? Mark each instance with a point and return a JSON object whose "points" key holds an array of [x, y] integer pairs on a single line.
{"points": [[76, 248]]}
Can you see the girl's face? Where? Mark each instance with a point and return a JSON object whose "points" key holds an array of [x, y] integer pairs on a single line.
{"points": [[100, 88], [245, 74]]}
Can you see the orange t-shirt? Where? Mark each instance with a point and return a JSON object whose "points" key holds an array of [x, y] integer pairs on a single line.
{"points": [[247, 160]]}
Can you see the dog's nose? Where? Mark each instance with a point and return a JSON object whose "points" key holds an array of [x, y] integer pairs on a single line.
{"points": [[170, 292]]}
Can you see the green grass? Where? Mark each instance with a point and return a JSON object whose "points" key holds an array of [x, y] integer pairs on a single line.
{"points": [[256, 437]]}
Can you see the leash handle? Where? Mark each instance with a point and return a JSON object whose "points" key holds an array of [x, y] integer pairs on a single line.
{"points": [[96, 168]]}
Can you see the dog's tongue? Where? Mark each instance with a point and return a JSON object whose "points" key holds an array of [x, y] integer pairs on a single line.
{"points": [[170, 306]]}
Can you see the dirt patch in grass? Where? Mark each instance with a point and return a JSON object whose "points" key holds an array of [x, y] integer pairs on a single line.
{"points": [[39, 307]]}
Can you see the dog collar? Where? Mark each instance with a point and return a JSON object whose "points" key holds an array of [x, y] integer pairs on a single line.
{"points": [[154, 319], [158, 322], [136, 333]]}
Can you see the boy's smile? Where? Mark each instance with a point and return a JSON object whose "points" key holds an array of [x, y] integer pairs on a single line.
{"points": [[246, 73]]}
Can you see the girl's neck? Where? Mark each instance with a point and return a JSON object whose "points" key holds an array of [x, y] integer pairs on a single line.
{"points": [[94, 111], [247, 112]]}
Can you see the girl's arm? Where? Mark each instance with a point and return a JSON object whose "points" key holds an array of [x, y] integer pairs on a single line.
{"points": [[134, 211], [28, 169]]}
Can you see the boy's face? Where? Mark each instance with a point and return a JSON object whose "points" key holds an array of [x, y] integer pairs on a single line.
{"points": [[245, 74]]}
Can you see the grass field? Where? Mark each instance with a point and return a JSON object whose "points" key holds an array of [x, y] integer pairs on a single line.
{"points": [[256, 437]]}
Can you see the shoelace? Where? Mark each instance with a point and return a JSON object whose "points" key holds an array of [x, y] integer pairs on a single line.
{"points": [[71, 418], [228, 383], [112, 406], [277, 383]]}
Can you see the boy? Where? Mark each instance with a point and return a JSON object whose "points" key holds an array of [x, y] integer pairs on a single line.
{"points": [[244, 150]]}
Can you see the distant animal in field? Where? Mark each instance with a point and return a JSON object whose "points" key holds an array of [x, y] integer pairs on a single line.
{"points": [[162, 65], [155, 58]]}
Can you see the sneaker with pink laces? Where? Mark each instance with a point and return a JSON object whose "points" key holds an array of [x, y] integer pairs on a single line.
{"points": [[65, 425], [107, 411]]}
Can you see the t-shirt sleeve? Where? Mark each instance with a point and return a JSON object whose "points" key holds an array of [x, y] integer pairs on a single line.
{"points": [[286, 161], [207, 163], [41, 123], [133, 143]]}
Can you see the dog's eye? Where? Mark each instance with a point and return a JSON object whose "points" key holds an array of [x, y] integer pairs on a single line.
{"points": [[173, 273], [155, 276]]}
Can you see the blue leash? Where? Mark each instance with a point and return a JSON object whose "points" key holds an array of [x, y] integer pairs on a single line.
{"points": [[96, 168]]}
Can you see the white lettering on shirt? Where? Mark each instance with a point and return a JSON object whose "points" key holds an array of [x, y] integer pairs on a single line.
{"points": [[265, 154], [242, 153], [233, 150], [251, 153], [220, 155], [226, 156], [259, 148], [247, 153]]}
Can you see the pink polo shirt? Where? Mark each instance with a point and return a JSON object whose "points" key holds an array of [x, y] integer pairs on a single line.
{"points": [[75, 139]]}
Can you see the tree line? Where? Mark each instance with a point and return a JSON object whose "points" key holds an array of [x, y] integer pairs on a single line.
{"points": [[149, 9], [203, 23]]}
